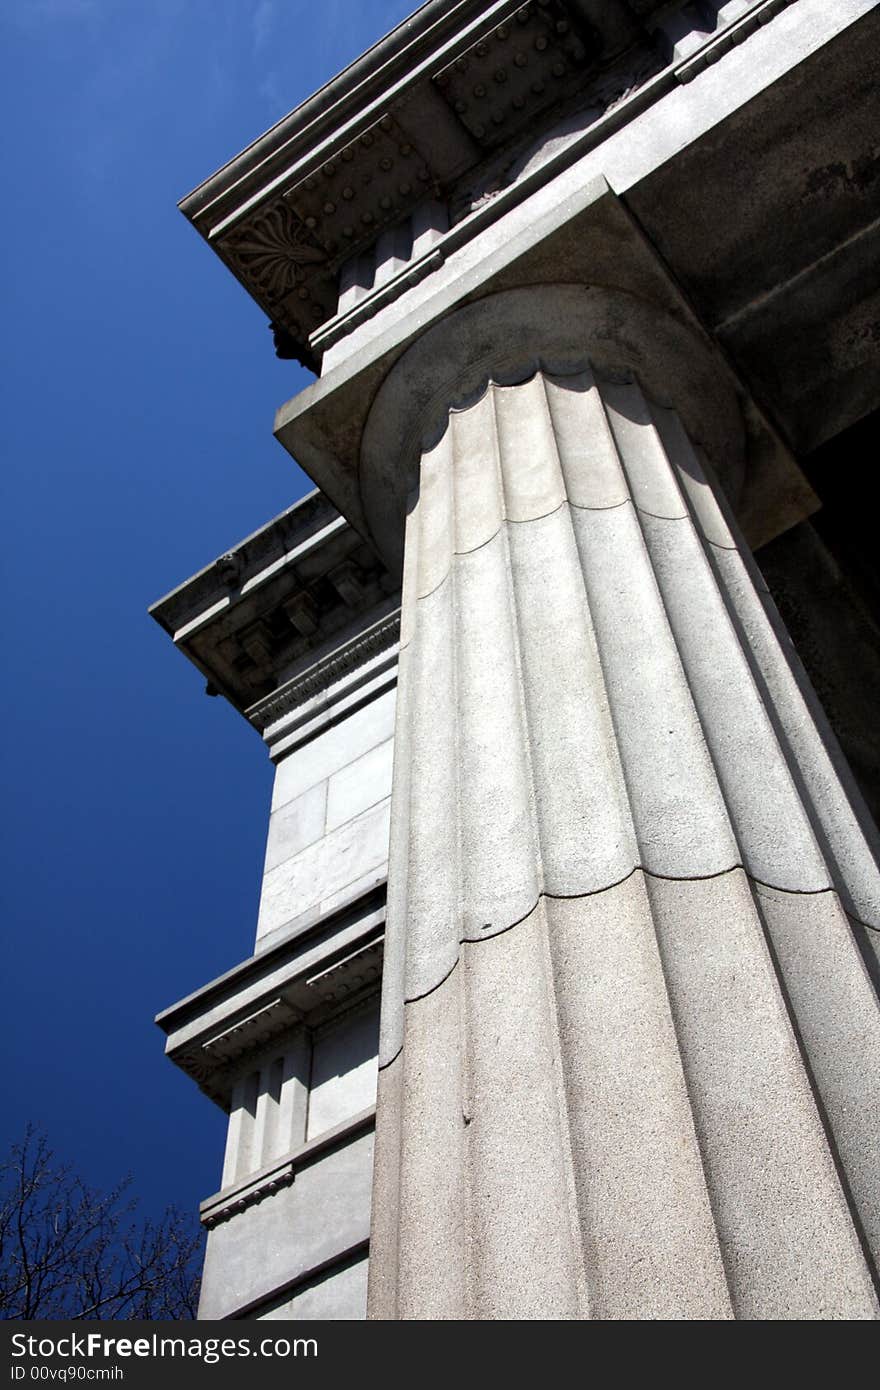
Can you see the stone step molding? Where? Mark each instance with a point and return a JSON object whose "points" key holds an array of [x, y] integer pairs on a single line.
{"points": [[628, 1022]]}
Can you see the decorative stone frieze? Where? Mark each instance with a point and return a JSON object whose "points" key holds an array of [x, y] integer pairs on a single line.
{"points": [[480, 79], [347, 659], [366, 185]]}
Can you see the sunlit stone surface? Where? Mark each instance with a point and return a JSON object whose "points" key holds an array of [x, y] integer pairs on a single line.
{"points": [[589, 289]]}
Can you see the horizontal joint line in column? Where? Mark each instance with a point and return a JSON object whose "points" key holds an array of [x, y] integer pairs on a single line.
{"points": [[617, 883], [542, 516]]}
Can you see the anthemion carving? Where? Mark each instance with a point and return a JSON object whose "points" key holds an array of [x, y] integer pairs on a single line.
{"points": [[273, 250], [564, 997]]}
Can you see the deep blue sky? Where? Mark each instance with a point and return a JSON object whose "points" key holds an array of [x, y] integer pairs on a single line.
{"points": [[139, 386]]}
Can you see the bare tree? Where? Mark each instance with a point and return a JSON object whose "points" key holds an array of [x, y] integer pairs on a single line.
{"points": [[67, 1251]]}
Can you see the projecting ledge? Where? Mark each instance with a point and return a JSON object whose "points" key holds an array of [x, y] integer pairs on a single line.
{"points": [[236, 1198], [325, 960]]}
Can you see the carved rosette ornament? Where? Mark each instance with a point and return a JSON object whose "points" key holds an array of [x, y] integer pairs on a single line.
{"points": [[279, 261], [272, 251]]}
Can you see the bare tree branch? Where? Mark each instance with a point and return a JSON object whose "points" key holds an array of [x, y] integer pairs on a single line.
{"points": [[68, 1251]]}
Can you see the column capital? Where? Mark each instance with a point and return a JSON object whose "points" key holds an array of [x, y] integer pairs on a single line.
{"points": [[590, 285], [505, 339]]}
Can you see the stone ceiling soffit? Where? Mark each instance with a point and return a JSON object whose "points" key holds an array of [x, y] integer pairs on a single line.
{"points": [[502, 82], [371, 182], [339, 110], [392, 70], [284, 268], [790, 284]]}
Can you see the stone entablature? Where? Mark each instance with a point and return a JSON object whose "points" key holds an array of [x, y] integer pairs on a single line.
{"points": [[304, 616], [289, 611], [729, 80], [439, 111], [286, 1043]]}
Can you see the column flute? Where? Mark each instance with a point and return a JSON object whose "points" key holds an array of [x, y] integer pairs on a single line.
{"points": [[629, 1025]]}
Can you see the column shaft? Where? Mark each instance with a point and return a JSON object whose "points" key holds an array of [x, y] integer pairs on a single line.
{"points": [[629, 1028]]}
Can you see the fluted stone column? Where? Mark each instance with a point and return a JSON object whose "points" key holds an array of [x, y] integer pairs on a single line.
{"points": [[630, 1034]]}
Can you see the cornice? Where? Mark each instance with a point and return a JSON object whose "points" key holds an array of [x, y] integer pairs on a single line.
{"points": [[345, 107], [328, 968], [449, 87], [287, 538], [215, 1062], [332, 669], [426, 110], [298, 603]]}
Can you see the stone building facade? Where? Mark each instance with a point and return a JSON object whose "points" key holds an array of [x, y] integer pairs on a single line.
{"points": [[590, 291]]}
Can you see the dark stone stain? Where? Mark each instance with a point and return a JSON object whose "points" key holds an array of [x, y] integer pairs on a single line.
{"points": [[829, 180]]}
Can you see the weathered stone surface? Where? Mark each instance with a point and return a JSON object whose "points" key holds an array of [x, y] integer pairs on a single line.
{"points": [[627, 718], [343, 1072], [321, 758], [281, 1239], [620, 849], [338, 1294], [328, 828], [629, 1026], [295, 825], [339, 858], [605, 1113]]}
